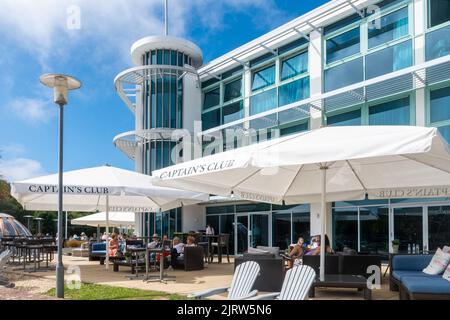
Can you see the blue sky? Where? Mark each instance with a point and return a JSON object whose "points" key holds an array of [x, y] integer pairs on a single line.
{"points": [[35, 40]]}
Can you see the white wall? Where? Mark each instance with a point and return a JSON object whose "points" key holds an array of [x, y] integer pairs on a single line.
{"points": [[192, 102], [193, 218]]}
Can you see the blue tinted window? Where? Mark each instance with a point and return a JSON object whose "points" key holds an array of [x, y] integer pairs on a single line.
{"points": [[439, 12], [233, 90], [232, 112], [440, 105], [263, 101], [263, 78], [232, 72], [212, 98], [438, 43], [445, 131], [342, 23], [294, 66], [211, 119], [294, 91], [343, 45], [390, 113], [343, 75], [292, 45], [294, 129], [352, 118], [389, 27], [388, 60]]}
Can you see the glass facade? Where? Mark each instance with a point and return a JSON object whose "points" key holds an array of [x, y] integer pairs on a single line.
{"points": [[163, 223], [256, 224], [355, 49], [163, 109], [439, 110], [343, 45], [392, 112], [368, 48], [263, 78], [395, 112]]}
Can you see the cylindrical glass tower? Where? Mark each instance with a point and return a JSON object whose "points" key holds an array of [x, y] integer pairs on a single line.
{"points": [[163, 92]]}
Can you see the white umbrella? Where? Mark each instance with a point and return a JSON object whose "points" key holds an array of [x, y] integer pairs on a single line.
{"points": [[327, 164], [115, 219], [102, 188]]}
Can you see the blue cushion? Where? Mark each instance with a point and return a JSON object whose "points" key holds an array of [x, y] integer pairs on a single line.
{"points": [[400, 274], [99, 252], [436, 285], [99, 246], [411, 262]]}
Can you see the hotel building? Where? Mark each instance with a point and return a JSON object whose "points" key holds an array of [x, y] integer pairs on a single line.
{"points": [[348, 62]]}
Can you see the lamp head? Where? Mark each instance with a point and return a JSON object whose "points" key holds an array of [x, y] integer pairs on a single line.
{"points": [[61, 84]]}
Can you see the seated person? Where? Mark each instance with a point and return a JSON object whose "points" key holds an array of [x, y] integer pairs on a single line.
{"points": [[297, 251], [190, 242], [177, 253], [314, 248], [155, 242], [114, 246]]}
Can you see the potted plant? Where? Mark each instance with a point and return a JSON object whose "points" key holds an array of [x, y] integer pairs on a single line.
{"points": [[395, 245]]}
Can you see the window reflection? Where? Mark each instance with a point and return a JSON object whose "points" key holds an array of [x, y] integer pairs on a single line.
{"points": [[344, 75], [388, 60], [395, 112], [343, 45], [294, 66], [438, 43], [263, 78], [391, 26], [438, 227], [351, 118]]}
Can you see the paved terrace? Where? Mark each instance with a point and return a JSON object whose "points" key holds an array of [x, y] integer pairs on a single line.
{"points": [[214, 275]]}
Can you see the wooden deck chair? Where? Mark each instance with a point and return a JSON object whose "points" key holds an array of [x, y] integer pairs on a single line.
{"points": [[296, 285], [241, 286]]}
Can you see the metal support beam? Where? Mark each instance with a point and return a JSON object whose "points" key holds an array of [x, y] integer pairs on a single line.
{"points": [[268, 49], [313, 26], [303, 35], [214, 75], [239, 61], [358, 11]]}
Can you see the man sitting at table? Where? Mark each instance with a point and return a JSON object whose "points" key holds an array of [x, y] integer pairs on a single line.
{"points": [[155, 242]]}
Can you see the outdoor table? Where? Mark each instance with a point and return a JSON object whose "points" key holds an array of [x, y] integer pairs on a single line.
{"points": [[342, 281], [162, 276], [135, 251]]}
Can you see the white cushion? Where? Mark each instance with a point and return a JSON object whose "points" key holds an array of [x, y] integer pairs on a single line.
{"points": [[257, 251], [446, 249], [438, 263], [446, 274]]}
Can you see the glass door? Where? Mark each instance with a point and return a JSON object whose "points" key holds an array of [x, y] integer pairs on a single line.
{"points": [[408, 227], [251, 230], [259, 230], [242, 234]]}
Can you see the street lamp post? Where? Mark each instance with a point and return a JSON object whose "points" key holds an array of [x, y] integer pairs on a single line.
{"points": [[28, 221], [61, 84], [39, 225]]}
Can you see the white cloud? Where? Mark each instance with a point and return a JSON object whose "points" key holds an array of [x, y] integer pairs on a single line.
{"points": [[20, 168], [32, 110], [11, 150], [41, 26]]}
